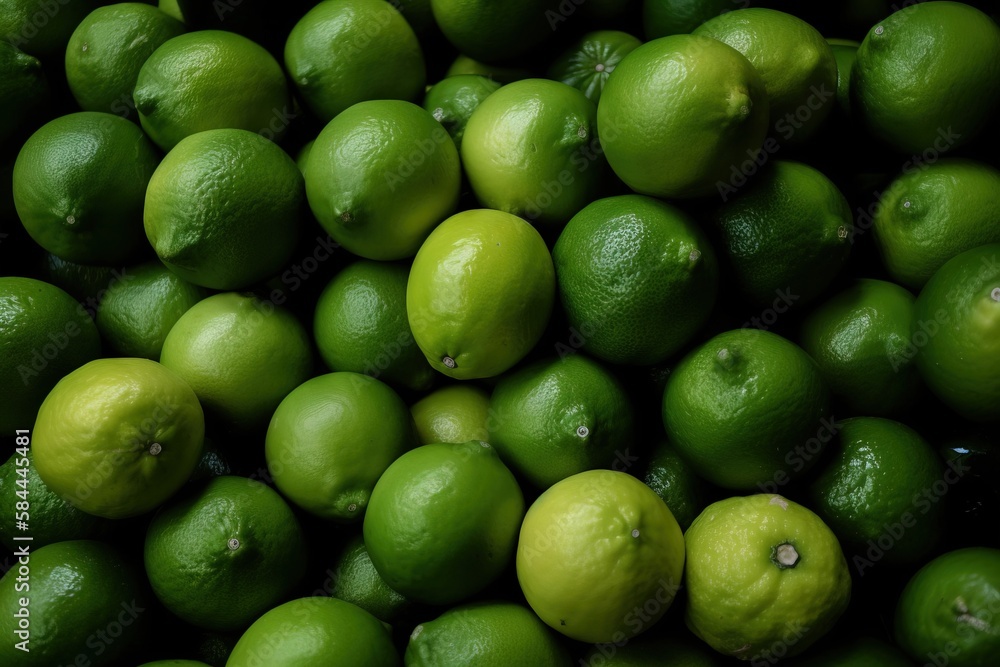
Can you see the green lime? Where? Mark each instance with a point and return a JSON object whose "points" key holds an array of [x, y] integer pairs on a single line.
{"points": [[929, 215], [495, 32], [454, 414], [955, 334], [845, 52], [209, 80], [40, 28], [748, 409], [863, 652], [331, 439], [466, 65], [23, 86], [360, 325], [590, 61], [678, 113], [860, 339], [787, 234], [453, 99], [222, 209], [531, 149], [302, 157], [765, 577], [51, 519], [480, 293], [136, 316], [85, 205], [241, 355], [107, 50], [928, 78], [171, 8], [356, 580], [637, 278], [381, 176], [558, 417], [661, 18], [87, 283], [676, 483], [795, 62], [117, 437], [315, 632], [66, 601], [651, 650], [948, 611], [220, 557], [347, 51], [485, 634], [44, 334], [876, 492], [442, 521], [595, 547]]}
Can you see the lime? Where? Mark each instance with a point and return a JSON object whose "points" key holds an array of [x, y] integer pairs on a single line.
{"points": [[863, 652], [466, 65], [44, 334], [795, 62], [929, 215], [860, 339], [23, 86], [495, 32], [442, 521], [590, 61], [51, 520], [956, 333], [220, 557], [40, 28], [845, 52], [651, 650], [485, 634], [315, 632], [356, 580], [222, 209], [107, 50], [678, 113], [86, 283], [85, 205], [241, 355], [558, 417], [595, 547], [948, 610], [117, 437], [679, 17], [928, 78], [765, 577], [452, 100], [332, 438], [70, 596], [136, 316], [786, 234], [480, 293], [171, 8], [637, 278], [381, 175], [676, 483], [453, 414], [208, 80], [748, 409], [361, 326], [302, 157], [877, 491], [531, 149], [347, 51]]}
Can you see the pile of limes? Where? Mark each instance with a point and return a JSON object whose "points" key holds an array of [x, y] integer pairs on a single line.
{"points": [[459, 333]]}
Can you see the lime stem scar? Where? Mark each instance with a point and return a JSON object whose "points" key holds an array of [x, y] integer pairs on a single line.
{"points": [[448, 362], [155, 449], [785, 556]]}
